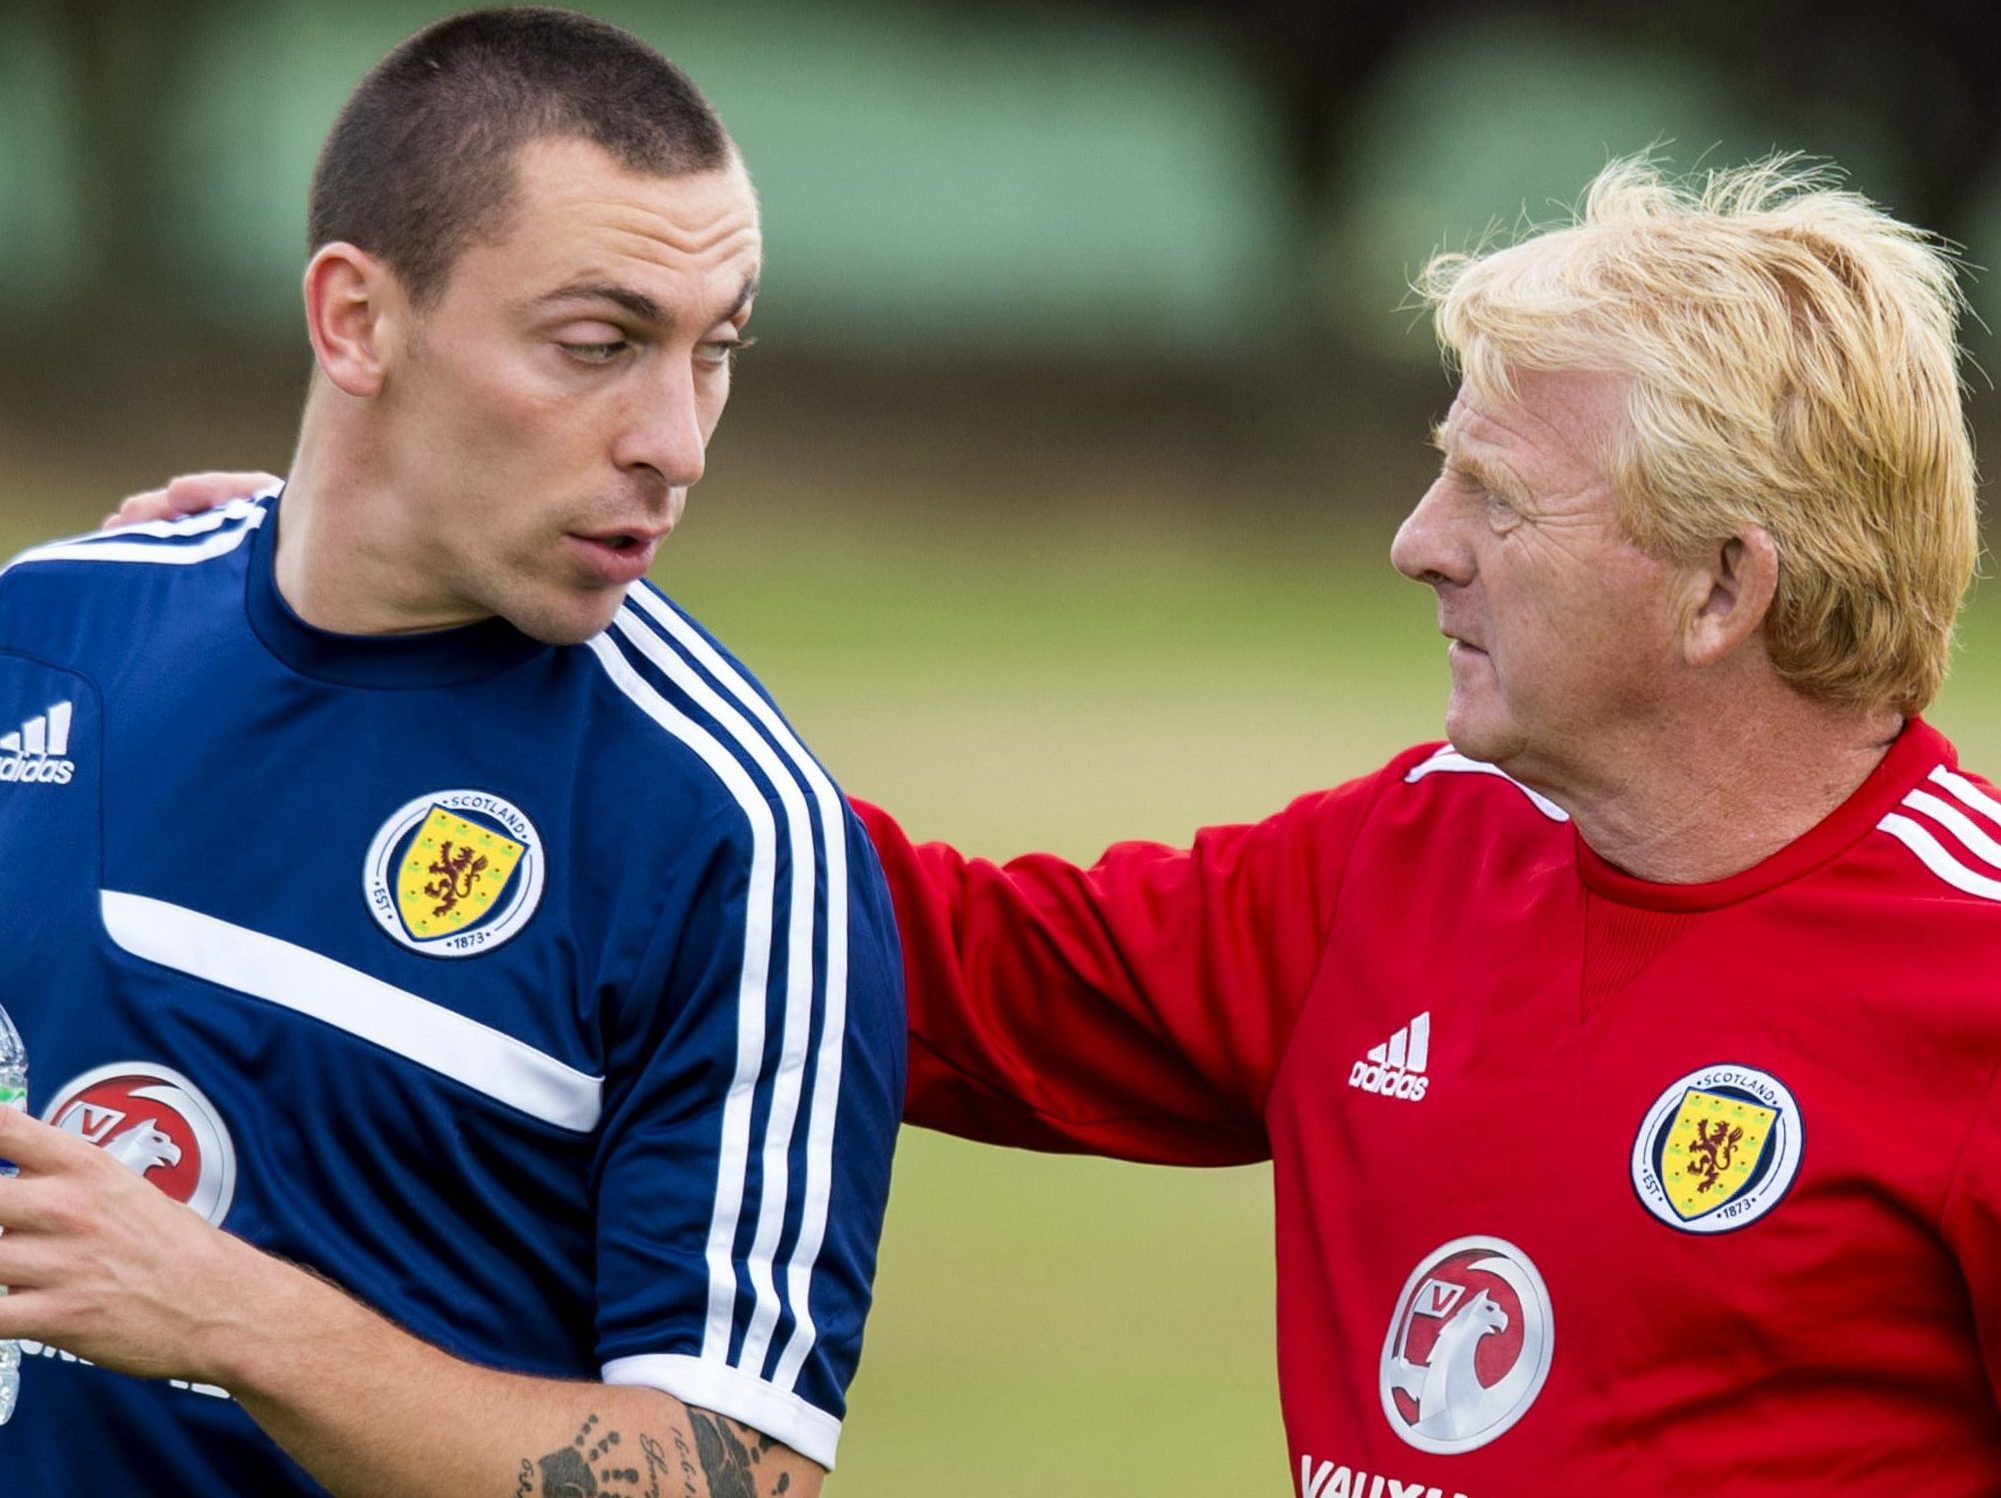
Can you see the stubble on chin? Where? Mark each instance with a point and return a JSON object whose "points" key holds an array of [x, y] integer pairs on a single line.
{"points": [[568, 621], [547, 602]]}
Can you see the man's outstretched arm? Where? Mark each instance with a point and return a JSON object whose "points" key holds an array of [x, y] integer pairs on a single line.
{"points": [[1137, 1008], [105, 1266]]}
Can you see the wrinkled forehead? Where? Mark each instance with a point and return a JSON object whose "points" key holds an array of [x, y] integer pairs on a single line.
{"points": [[684, 241], [1579, 410]]}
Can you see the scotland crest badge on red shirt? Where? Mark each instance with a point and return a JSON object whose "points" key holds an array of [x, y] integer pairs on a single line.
{"points": [[1718, 1149]]}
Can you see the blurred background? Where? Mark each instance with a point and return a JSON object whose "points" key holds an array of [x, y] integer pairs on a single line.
{"points": [[1053, 504]]}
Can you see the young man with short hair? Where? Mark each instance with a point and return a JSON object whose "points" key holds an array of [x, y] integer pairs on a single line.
{"points": [[427, 903]]}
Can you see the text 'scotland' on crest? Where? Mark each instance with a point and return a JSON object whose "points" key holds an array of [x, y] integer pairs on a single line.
{"points": [[454, 873]]}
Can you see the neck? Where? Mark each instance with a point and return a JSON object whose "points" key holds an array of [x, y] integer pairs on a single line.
{"points": [[1715, 793], [344, 544]]}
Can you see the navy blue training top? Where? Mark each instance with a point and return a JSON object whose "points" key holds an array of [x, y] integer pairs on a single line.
{"points": [[546, 998]]}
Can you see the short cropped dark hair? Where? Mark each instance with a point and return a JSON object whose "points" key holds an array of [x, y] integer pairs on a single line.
{"points": [[420, 162]]}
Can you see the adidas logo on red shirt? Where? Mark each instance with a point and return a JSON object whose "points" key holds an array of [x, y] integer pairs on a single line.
{"points": [[1396, 1067]]}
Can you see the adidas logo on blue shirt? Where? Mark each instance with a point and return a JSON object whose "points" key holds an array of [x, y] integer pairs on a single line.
{"points": [[35, 753]]}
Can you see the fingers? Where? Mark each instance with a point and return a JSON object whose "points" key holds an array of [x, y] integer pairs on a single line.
{"points": [[192, 493], [37, 1147], [30, 1260], [115, 1271], [189, 494], [137, 508], [102, 1264], [37, 1205], [21, 1315], [22, 1210]]}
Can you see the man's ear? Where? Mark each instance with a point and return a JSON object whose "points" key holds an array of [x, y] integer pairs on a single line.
{"points": [[1731, 590], [357, 316]]}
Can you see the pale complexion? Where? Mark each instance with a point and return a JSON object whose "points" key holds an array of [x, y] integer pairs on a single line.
{"points": [[518, 448], [1633, 690], [521, 445]]}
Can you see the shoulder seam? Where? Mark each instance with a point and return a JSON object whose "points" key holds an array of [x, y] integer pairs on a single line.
{"points": [[1446, 758], [225, 528], [1383, 780], [1959, 836]]}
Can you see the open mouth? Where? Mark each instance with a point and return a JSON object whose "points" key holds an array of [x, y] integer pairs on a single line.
{"points": [[620, 540], [619, 557], [623, 541]]}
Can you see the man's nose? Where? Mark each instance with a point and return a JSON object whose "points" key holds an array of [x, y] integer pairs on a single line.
{"points": [[664, 431], [1428, 547]]}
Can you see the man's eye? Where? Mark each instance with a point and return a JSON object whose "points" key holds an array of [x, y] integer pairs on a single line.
{"points": [[721, 353], [596, 353]]}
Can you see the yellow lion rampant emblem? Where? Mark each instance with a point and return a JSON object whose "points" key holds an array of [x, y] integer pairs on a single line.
{"points": [[1712, 1149], [452, 873]]}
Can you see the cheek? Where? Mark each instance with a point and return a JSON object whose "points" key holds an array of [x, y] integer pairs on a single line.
{"points": [[1558, 634], [1617, 645], [520, 415], [497, 397]]}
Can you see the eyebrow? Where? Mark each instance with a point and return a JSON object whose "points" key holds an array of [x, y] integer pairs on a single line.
{"points": [[743, 296], [1494, 479], [637, 303]]}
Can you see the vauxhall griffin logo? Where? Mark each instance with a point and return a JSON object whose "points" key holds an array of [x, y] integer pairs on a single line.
{"points": [[158, 1125], [1469, 1346], [36, 752]]}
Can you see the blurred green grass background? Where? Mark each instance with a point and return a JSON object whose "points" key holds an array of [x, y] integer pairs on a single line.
{"points": [[1013, 673]]}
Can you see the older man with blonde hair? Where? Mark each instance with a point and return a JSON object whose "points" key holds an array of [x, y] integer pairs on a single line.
{"points": [[1628, 1062]]}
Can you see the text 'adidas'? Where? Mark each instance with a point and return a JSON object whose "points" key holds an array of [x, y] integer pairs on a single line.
{"points": [[34, 753], [1396, 1067]]}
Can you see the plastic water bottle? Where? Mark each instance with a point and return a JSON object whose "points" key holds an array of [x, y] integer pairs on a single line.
{"points": [[13, 1094]]}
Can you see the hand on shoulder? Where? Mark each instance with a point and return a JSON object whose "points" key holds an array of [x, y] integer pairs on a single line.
{"points": [[189, 494]]}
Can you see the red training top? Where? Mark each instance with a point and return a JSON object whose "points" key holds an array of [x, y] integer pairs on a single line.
{"points": [[1584, 1184]]}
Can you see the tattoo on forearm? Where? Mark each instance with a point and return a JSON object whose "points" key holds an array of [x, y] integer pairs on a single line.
{"points": [[687, 1459], [656, 1463], [588, 1466], [726, 1461], [574, 1471]]}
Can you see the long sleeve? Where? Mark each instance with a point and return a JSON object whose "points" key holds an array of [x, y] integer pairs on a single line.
{"points": [[1138, 1008]]}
